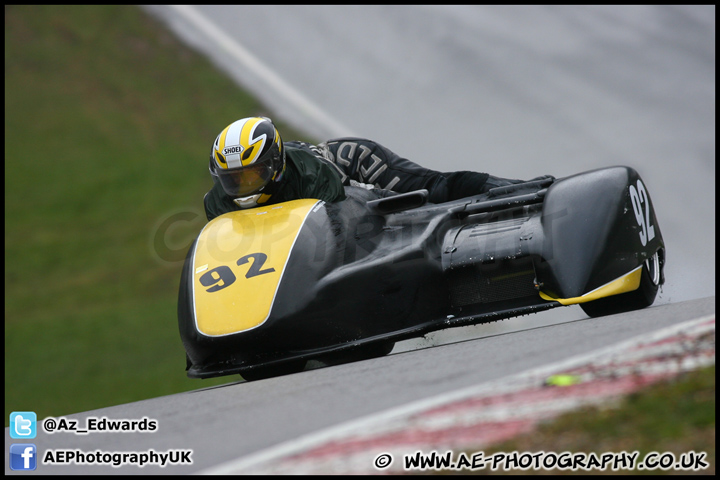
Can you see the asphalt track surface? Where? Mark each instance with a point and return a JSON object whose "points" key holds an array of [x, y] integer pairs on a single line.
{"points": [[516, 91], [227, 423]]}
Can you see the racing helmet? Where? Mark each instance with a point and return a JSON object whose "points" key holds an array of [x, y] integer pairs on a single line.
{"points": [[248, 160]]}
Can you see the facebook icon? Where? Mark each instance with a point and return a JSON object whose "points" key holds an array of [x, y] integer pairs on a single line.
{"points": [[23, 456]]}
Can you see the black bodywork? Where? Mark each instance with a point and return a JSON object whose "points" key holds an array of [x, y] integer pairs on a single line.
{"points": [[372, 271]]}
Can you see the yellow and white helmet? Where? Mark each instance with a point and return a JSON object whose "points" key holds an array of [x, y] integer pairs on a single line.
{"points": [[248, 159]]}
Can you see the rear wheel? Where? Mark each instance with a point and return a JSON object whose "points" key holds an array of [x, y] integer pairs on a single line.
{"points": [[643, 297]]}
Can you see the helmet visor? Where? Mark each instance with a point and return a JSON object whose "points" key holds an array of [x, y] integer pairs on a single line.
{"points": [[244, 181]]}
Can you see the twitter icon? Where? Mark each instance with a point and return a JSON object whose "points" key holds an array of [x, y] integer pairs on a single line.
{"points": [[23, 425]]}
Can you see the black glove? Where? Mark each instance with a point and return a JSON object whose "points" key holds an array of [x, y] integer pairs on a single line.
{"points": [[542, 177], [493, 182], [543, 181]]}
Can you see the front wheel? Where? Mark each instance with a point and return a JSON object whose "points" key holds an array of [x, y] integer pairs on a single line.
{"points": [[643, 297]]}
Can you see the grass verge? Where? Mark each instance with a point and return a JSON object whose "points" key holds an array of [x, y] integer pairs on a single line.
{"points": [[108, 124], [675, 416]]}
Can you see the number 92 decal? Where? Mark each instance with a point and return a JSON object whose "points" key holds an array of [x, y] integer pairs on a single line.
{"points": [[222, 276], [641, 207]]}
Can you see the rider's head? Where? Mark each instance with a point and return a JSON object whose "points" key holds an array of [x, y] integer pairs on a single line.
{"points": [[248, 160]]}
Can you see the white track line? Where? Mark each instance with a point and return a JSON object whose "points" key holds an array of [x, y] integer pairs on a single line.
{"points": [[240, 54], [514, 382]]}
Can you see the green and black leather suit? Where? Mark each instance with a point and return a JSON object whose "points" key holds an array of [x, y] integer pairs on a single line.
{"points": [[321, 171]]}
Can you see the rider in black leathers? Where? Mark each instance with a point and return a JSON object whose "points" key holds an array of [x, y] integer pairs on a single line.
{"points": [[290, 170]]}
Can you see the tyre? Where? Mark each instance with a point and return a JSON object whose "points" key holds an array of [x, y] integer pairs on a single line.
{"points": [[269, 371], [364, 352], [379, 349], [644, 296]]}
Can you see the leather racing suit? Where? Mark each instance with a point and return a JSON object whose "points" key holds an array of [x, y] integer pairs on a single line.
{"points": [[321, 171]]}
